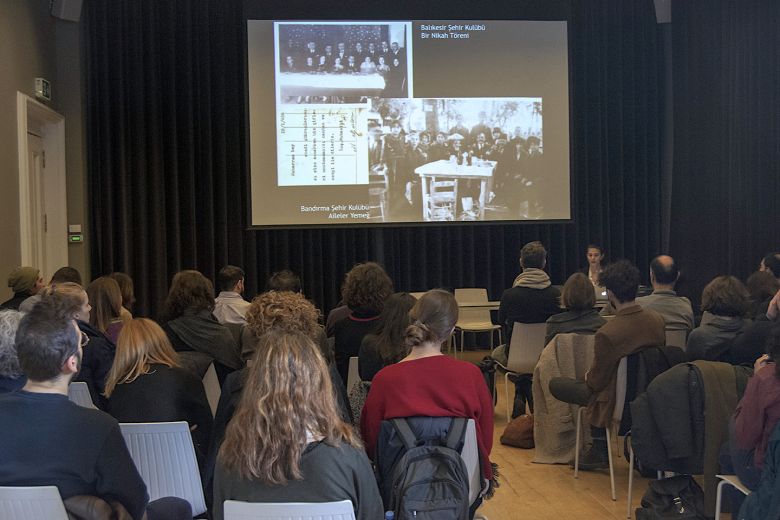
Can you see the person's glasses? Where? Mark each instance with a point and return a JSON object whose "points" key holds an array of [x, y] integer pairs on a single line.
{"points": [[84, 340]]}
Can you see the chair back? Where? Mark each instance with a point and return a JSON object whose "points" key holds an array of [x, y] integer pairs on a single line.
{"points": [[676, 338], [78, 392], [526, 346], [353, 374], [212, 387], [470, 456], [235, 510], [31, 503], [165, 458], [620, 390], [417, 295], [471, 295]]}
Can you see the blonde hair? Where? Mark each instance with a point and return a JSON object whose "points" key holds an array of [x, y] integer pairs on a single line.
{"points": [[141, 344], [288, 396]]}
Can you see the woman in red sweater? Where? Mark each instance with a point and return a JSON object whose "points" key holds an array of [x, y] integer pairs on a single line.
{"points": [[427, 383]]}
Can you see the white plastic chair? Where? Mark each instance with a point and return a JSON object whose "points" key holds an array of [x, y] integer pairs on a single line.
{"points": [[524, 351], [235, 510], [353, 374], [731, 480], [165, 458], [676, 338], [31, 503], [474, 319], [78, 393], [617, 416], [212, 388]]}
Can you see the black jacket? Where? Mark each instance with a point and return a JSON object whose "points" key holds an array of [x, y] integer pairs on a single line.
{"points": [[526, 305], [96, 363]]}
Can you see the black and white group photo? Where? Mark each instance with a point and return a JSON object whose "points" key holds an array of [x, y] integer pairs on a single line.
{"points": [[455, 159], [342, 63]]}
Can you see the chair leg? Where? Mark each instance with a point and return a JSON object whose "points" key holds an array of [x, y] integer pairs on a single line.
{"points": [[506, 392], [719, 498], [630, 474], [577, 443], [611, 467]]}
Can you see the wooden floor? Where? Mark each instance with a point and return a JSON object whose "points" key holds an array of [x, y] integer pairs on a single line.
{"points": [[550, 492]]}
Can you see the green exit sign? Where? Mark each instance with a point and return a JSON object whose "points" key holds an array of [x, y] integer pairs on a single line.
{"points": [[75, 239]]}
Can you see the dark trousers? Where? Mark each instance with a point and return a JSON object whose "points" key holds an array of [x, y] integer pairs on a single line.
{"points": [[169, 508], [578, 392], [523, 395]]}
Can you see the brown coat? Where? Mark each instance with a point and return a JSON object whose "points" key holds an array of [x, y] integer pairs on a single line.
{"points": [[631, 330]]}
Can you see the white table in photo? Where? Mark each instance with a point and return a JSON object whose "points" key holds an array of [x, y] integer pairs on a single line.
{"points": [[479, 170]]}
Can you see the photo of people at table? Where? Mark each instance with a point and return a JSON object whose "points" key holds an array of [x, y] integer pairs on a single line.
{"points": [[342, 63], [456, 159]]}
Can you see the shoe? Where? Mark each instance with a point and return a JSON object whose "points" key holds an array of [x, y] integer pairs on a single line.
{"points": [[593, 459]]}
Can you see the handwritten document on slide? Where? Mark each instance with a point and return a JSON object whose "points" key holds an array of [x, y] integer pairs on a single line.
{"points": [[322, 145]]}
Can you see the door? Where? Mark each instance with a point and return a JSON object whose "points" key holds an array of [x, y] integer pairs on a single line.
{"points": [[36, 165]]}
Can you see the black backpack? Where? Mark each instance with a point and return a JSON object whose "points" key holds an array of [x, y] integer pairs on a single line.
{"points": [[678, 497], [430, 482]]}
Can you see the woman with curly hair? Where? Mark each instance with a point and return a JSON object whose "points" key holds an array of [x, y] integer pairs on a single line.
{"points": [[188, 320], [365, 289], [270, 311], [146, 384], [11, 377], [286, 442]]}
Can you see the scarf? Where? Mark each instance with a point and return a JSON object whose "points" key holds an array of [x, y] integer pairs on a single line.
{"points": [[532, 278]]}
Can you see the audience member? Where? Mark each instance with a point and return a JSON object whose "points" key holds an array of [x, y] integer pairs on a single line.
{"points": [[47, 440], [105, 298], [416, 385], [632, 330], [386, 346], [146, 384], [366, 287], [761, 286], [676, 310], [98, 350], [532, 299], [284, 280], [286, 442], [61, 275], [579, 299], [127, 288], [757, 414], [230, 306], [724, 301], [188, 320], [271, 311], [24, 282], [11, 377]]}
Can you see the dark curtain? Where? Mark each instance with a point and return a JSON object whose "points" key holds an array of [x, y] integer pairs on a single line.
{"points": [[167, 151], [726, 136]]}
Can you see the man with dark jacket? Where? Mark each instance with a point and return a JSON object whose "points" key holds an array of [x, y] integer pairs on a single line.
{"points": [[25, 282], [632, 330], [531, 299], [48, 440]]}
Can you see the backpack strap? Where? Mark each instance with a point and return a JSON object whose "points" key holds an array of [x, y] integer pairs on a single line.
{"points": [[405, 432], [457, 433]]}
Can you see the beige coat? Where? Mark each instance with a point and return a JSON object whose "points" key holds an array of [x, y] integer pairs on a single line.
{"points": [[567, 355]]}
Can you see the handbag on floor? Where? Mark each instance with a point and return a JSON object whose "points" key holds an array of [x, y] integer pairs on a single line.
{"points": [[519, 432], [678, 497]]}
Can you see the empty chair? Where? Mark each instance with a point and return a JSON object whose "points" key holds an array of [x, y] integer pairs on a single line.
{"points": [[526, 347], [474, 319], [78, 393], [31, 503], [165, 458], [235, 510]]}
